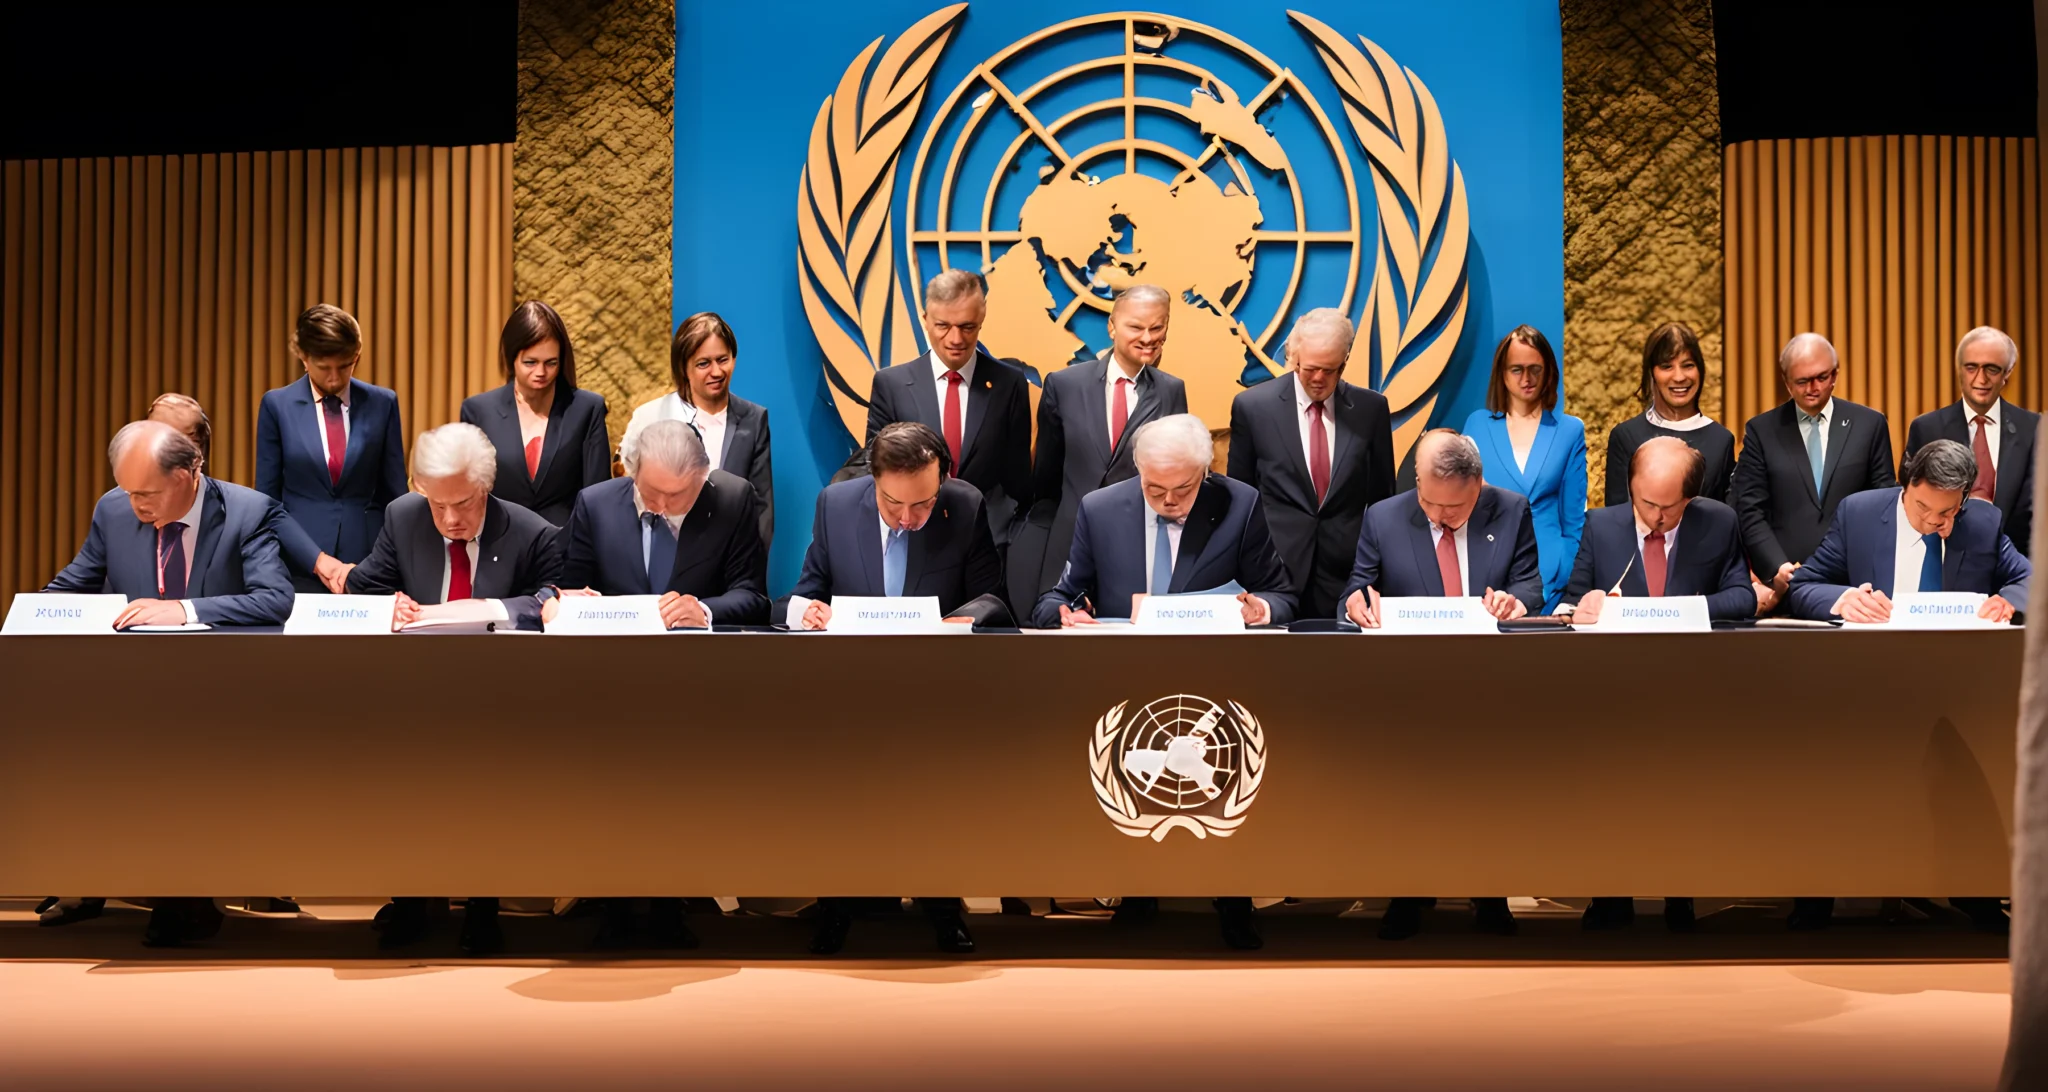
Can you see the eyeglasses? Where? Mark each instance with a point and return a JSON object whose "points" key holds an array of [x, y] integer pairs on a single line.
{"points": [[1812, 380]]}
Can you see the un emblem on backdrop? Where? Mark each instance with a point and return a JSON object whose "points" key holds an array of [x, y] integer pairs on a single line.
{"points": [[1133, 148], [1180, 762]]}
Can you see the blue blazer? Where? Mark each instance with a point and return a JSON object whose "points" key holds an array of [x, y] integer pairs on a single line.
{"points": [[1225, 539], [1709, 559], [1862, 547], [340, 520], [237, 579], [952, 556], [1555, 484], [719, 556], [1396, 556]]}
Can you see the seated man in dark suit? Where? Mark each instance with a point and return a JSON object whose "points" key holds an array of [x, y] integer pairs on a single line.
{"points": [[1174, 528], [1998, 433], [1450, 535], [183, 548], [910, 529], [674, 528]]}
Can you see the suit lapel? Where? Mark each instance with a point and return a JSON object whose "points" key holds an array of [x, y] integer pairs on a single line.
{"points": [[138, 562], [2015, 453], [551, 439], [315, 447], [924, 394], [1499, 456], [213, 518], [978, 398], [625, 544], [1954, 423], [1886, 550], [1284, 411], [1479, 543], [1539, 450], [1210, 504], [358, 412], [1095, 408], [690, 538], [1424, 551], [734, 422], [1839, 432], [1347, 431], [868, 541], [429, 559], [913, 556], [1790, 433], [493, 576], [1953, 554]]}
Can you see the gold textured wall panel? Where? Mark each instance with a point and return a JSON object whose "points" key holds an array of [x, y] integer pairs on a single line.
{"points": [[127, 277], [1892, 247], [1642, 202]]}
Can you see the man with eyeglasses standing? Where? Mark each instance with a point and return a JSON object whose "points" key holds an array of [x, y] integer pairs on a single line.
{"points": [[1998, 433], [1798, 462]]}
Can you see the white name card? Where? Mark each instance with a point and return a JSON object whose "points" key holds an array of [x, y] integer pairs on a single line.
{"points": [[1936, 610], [1645, 614], [1189, 614], [607, 615], [328, 615], [1427, 614], [883, 614], [63, 612]]}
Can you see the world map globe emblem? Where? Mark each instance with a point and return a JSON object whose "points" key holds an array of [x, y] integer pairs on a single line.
{"points": [[1181, 752]]}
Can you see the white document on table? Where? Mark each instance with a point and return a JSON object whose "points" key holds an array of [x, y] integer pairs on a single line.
{"points": [[62, 612]]}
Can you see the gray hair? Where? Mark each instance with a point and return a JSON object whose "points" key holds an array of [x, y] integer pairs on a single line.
{"points": [[1803, 345], [450, 450], [671, 445], [1989, 333], [1143, 293], [954, 284], [1942, 464], [1180, 439], [1455, 457], [1323, 326], [173, 449]]}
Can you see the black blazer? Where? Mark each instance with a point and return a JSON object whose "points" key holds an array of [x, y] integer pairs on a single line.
{"points": [[1783, 518], [1317, 542], [2015, 494], [995, 434], [1074, 458], [518, 554], [1707, 561], [952, 556], [719, 558], [747, 455], [576, 452], [1396, 556]]}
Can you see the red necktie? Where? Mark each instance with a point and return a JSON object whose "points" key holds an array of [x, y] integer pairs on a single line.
{"points": [[1653, 563], [458, 571], [1447, 562], [337, 439], [1986, 487], [1318, 452], [1119, 414], [953, 416], [533, 457]]}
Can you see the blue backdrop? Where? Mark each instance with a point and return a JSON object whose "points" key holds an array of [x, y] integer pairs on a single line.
{"points": [[750, 80]]}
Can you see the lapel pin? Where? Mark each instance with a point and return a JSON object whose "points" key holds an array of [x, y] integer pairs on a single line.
{"points": [[988, 384], [1489, 538]]}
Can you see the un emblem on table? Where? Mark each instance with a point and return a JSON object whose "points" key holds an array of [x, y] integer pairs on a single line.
{"points": [[1137, 147], [1180, 762]]}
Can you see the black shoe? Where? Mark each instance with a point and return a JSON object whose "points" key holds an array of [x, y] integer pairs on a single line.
{"points": [[1492, 916], [833, 925], [47, 905], [86, 910], [1678, 915], [1810, 914], [404, 921], [1609, 913], [481, 935], [1401, 920], [953, 937], [619, 929], [177, 922], [1986, 915], [1016, 907], [1136, 911], [665, 927], [1240, 928]]}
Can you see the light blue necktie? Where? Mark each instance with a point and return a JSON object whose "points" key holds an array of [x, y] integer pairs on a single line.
{"points": [[895, 559], [1162, 559], [1815, 455], [1930, 565]]}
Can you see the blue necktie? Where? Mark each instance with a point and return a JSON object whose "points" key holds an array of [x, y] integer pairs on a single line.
{"points": [[895, 559], [1162, 559], [1815, 456], [661, 553], [1930, 565]]}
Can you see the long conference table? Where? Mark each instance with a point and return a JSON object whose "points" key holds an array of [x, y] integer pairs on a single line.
{"points": [[1758, 763]]}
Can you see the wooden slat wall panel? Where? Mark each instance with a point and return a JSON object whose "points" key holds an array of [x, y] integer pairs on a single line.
{"points": [[1892, 247], [124, 278]]}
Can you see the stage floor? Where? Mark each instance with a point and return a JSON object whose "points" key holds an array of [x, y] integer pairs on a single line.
{"points": [[312, 1005]]}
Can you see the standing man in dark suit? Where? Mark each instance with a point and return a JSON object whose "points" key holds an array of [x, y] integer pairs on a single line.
{"points": [[1998, 433], [1087, 415], [331, 450], [674, 528], [1641, 547], [1318, 450], [1799, 460], [978, 404], [549, 433]]}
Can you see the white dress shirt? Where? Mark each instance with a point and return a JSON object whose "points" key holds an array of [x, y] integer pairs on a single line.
{"points": [[966, 393], [190, 538], [320, 418], [448, 576], [671, 407], [1691, 424], [1174, 528], [1303, 422], [1995, 413], [1436, 535], [1910, 553], [1109, 379], [1827, 418]]}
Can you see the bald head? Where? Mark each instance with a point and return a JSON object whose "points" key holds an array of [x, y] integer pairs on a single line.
{"points": [[1663, 477], [1448, 477], [158, 467]]}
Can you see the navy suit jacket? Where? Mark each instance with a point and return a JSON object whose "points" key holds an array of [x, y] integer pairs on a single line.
{"points": [[995, 432], [719, 557], [1396, 556], [575, 453], [341, 520], [1225, 539], [238, 577], [1315, 540], [2015, 493], [1707, 561], [518, 554], [1783, 517], [1862, 547], [952, 556]]}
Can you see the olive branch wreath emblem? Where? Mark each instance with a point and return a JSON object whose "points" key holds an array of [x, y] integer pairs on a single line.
{"points": [[1121, 804]]}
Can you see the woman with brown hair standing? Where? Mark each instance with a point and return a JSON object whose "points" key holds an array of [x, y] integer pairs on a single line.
{"points": [[1673, 373], [701, 358], [550, 435]]}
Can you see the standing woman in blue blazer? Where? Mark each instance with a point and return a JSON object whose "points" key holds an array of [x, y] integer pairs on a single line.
{"points": [[331, 450], [550, 436], [1534, 450]]}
